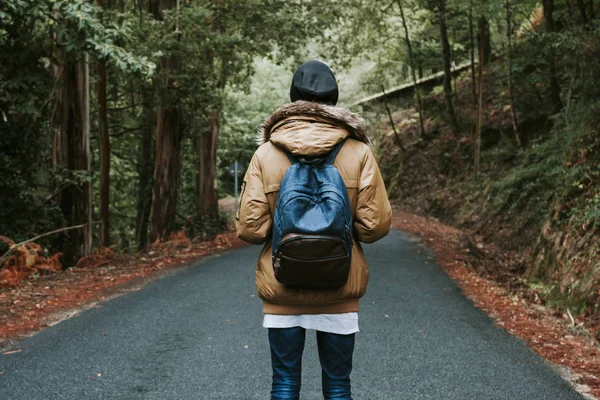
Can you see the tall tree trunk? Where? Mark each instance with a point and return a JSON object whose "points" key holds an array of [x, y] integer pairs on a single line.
{"points": [[71, 150], [592, 10], [412, 65], [207, 142], [447, 66], [511, 92], [391, 117], [477, 141], [168, 146], [60, 151], [484, 27], [207, 176], [145, 167], [473, 74], [104, 151], [472, 53], [146, 151], [554, 86], [82, 158], [166, 171], [104, 156]]}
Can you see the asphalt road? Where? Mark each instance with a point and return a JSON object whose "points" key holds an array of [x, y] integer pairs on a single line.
{"points": [[197, 334]]}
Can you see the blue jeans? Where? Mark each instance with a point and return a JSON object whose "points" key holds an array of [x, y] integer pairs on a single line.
{"points": [[335, 354]]}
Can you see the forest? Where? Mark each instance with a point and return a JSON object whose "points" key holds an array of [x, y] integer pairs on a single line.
{"points": [[119, 119]]}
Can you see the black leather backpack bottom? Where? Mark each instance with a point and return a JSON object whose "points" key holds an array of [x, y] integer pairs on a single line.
{"points": [[312, 261]]}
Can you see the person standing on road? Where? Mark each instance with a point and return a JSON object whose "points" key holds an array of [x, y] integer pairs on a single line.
{"points": [[311, 129]]}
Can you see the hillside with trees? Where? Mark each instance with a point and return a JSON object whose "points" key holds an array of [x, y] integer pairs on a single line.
{"points": [[111, 112], [507, 150]]}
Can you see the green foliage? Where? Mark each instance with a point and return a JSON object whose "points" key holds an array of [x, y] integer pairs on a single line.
{"points": [[77, 28], [545, 173], [534, 179], [34, 37], [591, 210], [236, 57], [373, 30], [245, 109], [25, 87]]}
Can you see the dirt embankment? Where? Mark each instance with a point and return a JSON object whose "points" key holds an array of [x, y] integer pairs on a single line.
{"points": [[525, 223], [539, 203], [559, 337]]}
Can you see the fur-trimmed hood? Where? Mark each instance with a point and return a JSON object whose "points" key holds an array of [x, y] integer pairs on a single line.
{"points": [[336, 116]]}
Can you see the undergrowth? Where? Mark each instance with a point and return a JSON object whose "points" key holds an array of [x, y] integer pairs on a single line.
{"points": [[542, 199]]}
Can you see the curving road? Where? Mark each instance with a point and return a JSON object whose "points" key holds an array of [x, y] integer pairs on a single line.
{"points": [[196, 334]]}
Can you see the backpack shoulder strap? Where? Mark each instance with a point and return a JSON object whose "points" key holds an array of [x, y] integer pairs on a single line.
{"points": [[293, 159], [333, 153]]}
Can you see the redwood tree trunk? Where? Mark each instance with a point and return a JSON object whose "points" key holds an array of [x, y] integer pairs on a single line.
{"points": [[71, 150], [81, 160], [168, 146], [447, 66], [166, 171], [104, 152], [60, 152], [146, 153], [104, 157], [145, 167], [207, 176], [207, 142]]}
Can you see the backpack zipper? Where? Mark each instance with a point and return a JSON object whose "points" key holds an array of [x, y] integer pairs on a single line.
{"points": [[312, 237], [277, 255], [277, 259]]}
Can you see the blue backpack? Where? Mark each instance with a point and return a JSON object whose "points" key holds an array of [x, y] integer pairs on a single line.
{"points": [[312, 230]]}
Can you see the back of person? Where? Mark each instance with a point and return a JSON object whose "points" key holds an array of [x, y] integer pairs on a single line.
{"points": [[310, 128]]}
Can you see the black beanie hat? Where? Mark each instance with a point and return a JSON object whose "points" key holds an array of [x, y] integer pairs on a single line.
{"points": [[314, 81]]}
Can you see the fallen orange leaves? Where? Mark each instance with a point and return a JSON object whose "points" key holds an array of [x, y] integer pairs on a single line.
{"points": [[26, 260], [547, 332], [28, 304]]}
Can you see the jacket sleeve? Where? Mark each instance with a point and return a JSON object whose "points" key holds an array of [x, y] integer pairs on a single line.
{"points": [[373, 211], [253, 220]]}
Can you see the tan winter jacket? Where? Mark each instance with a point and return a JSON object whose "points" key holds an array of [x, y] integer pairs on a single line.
{"points": [[312, 129]]}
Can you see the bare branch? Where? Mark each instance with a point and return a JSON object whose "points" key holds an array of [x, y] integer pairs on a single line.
{"points": [[389, 113], [14, 247]]}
